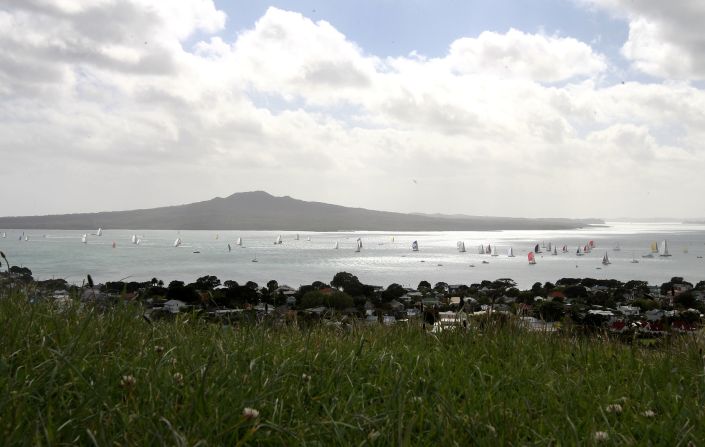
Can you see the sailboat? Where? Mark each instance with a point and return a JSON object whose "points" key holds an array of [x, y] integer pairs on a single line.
{"points": [[177, 242], [617, 247], [510, 253], [537, 249], [532, 259], [99, 232], [217, 236], [278, 240], [254, 259], [392, 239], [26, 238], [555, 252], [358, 247], [336, 245], [461, 246], [606, 260], [549, 246], [634, 260], [84, 238], [591, 244], [139, 241], [565, 249], [481, 249], [415, 246], [239, 242], [134, 239], [494, 251], [114, 244], [488, 250], [229, 248], [4, 235], [308, 238], [578, 253], [654, 247], [297, 237], [664, 249]]}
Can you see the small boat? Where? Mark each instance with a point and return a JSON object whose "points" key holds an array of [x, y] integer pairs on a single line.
{"points": [[99, 232], [196, 251], [664, 249], [4, 235], [510, 253], [634, 260], [485, 262], [217, 236], [134, 239], [617, 247], [415, 246], [591, 244], [278, 240], [26, 238], [537, 249], [606, 260], [494, 251], [654, 247], [84, 238], [549, 246], [565, 249], [358, 247], [649, 255], [481, 249], [336, 245], [177, 242], [472, 265], [114, 245], [308, 238], [254, 259], [555, 252], [488, 249], [461, 246], [578, 253], [297, 237], [139, 241], [532, 258], [229, 248]]}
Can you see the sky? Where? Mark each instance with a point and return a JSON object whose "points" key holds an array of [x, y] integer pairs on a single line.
{"points": [[548, 108]]}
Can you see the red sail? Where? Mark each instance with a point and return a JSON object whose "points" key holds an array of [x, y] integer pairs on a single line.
{"points": [[531, 258]]}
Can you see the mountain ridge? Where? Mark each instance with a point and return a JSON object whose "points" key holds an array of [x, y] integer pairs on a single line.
{"points": [[259, 210]]}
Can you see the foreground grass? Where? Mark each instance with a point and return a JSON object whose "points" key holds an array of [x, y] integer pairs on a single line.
{"points": [[62, 382]]}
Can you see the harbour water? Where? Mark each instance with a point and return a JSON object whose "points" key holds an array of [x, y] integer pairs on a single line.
{"points": [[385, 257]]}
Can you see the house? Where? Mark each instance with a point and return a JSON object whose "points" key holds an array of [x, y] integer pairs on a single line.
{"points": [[396, 305], [413, 313], [174, 306], [388, 320], [628, 310], [431, 301]]}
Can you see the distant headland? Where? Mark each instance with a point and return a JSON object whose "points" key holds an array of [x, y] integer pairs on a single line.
{"points": [[258, 210]]}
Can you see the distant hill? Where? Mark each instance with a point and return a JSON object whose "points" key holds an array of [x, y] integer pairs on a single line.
{"points": [[258, 210]]}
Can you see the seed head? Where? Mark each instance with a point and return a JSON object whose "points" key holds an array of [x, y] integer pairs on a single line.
{"points": [[614, 408], [128, 381], [178, 378], [250, 413], [601, 436]]}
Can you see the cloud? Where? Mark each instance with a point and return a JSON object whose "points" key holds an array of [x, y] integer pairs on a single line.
{"points": [[158, 107], [665, 39]]}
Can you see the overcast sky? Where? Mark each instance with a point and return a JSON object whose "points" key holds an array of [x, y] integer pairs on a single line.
{"points": [[544, 108]]}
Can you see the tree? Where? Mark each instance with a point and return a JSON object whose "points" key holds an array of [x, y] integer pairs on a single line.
{"points": [[319, 285], [685, 300], [177, 291], [440, 287], [24, 272], [252, 285], [230, 284], [272, 285], [424, 285], [537, 289], [550, 310], [207, 282], [337, 300], [575, 292], [349, 284], [393, 292]]}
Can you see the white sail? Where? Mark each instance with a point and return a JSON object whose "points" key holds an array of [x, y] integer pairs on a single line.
{"points": [[359, 245], [279, 239], [494, 251], [606, 259], [177, 242], [139, 241], [549, 246], [99, 232], [308, 239], [26, 238], [510, 252], [4, 235], [239, 242], [134, 239], [461, 246], [555, 252], [664, 248], [415, 246], [481, 249], [297, 237], [84, 238], [336, 245]]}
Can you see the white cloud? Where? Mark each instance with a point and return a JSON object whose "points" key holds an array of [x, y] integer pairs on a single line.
{"points": [[666, 39], [505, 123]]}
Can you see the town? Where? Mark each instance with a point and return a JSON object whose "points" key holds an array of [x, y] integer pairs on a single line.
{"points": [[634, 308]]}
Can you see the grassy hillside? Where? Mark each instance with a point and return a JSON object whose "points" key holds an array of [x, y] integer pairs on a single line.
{"points": [[76, 376]]}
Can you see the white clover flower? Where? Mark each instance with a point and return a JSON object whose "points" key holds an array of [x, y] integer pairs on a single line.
{"points": [[250, 413], [649, 414], [179, 378], [128, 381], [601, 436], [614, 408]]}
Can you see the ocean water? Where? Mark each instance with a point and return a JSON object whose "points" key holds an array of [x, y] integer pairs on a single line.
{"points": [[60, 254]]}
